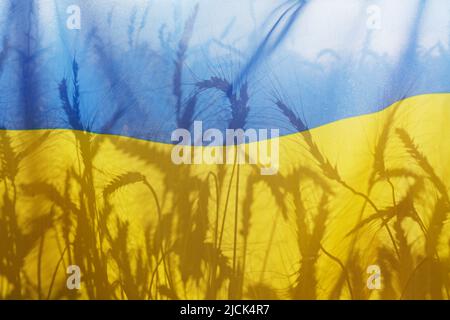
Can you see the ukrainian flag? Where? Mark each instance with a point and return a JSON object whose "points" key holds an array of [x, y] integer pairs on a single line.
{"points": [[93, 207]]}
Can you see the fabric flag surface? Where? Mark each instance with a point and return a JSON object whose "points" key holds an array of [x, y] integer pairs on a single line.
{"points": [[239, 149]]}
